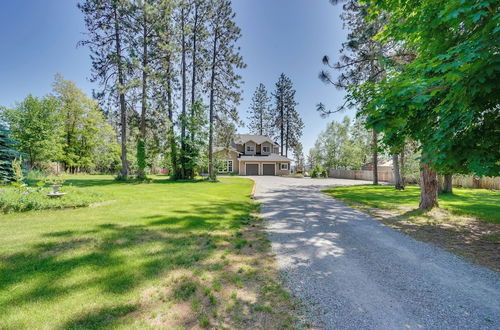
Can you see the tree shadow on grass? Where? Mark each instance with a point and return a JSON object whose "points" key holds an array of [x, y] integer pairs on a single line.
{"points": [[467, 238], [101, 318], [117, 259]]}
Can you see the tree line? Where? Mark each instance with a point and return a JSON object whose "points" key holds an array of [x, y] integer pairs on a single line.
{"points": [[64, 126], [424, 73], [168, 72]]}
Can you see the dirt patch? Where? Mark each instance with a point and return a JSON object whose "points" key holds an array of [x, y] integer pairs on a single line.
{"points": [[468, 237], [237, 288]]}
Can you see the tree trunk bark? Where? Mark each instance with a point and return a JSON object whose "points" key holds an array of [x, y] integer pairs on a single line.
{"points": [[173, 145], [448, 184], [428, 187], [183, 87], [123, 108], [375, 156], [397, 174], [193, 78], [211, 172], [402, 166], [142, 144], [282, 123]]}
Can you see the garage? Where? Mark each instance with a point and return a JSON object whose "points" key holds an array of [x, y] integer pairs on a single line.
{"points": [[268, 169], [252, 169]]}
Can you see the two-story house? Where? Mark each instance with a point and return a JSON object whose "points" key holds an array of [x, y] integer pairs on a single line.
{"points": [[253, 155]]}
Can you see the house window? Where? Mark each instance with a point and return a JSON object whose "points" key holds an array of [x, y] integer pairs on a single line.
{"points": [[284, 166], [226, 166], [265, 149], [250, 148]]}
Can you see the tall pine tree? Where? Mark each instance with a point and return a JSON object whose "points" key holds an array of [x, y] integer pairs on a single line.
{"points": [[224, 85], [259, 114], [108, 44]]}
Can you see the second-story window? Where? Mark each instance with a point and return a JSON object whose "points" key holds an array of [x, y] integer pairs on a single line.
{"points": [[265, 149], [250, 148]]}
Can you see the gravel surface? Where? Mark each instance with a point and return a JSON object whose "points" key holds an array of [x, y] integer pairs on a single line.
{"points": [[352, 272]]}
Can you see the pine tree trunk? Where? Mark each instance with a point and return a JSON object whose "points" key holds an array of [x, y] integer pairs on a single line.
{"points": [[173, 144], [142, 139], [282, 123], [397, 174], [193, 78], [211, 172], [123, 108], [428, 187], [261, 119], [287, 137], [183, 87], [375, 156]]}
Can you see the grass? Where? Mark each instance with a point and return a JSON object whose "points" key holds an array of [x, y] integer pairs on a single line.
{"points": [[467, 222], [479, 203], [155, 255]]}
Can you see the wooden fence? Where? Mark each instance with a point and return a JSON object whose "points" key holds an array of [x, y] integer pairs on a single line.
{"points": [[466, 181], [383, 176]]}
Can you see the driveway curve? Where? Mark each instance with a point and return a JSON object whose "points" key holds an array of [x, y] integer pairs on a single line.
{"points": [[352, 272]]}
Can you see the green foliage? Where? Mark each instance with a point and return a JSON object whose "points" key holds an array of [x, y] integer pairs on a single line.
{"points": [[447, 97], [8, 154], [141, 158], [18, 176], [54, 179], [29, 198], [35, 124], [342, 146], [88, 141], [192, 156], [319, 172]]}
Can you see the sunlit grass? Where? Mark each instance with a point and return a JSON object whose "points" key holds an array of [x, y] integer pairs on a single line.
{"points": [[481, 203], [115, 264]]}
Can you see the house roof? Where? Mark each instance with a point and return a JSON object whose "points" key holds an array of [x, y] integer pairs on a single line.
{"points": [[217, 149], [269, 158], [259, 139]]}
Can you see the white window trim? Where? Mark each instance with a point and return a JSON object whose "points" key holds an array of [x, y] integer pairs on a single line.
{"points": [[250, 148], [225, 168], [266, 147], [286, 166]]}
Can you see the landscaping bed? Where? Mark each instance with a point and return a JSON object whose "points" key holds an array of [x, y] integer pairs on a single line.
{"points": [[30, 198], [162, 255], [467, 222]]}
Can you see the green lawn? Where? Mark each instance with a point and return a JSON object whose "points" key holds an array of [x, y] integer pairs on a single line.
{"points": [[480, 203], [153, 255]]}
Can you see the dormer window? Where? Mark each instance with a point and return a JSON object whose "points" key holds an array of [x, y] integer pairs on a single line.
{"points": [[250, 148], [265, 149]]}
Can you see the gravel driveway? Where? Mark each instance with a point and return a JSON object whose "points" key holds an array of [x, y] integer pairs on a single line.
{"points": [[352, 272]]}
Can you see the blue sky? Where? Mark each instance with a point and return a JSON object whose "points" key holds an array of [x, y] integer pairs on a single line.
{"points": [[39, 39]]}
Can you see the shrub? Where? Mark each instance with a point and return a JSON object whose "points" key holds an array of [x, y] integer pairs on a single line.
{"points": [[26, 198], [317, 171]]}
